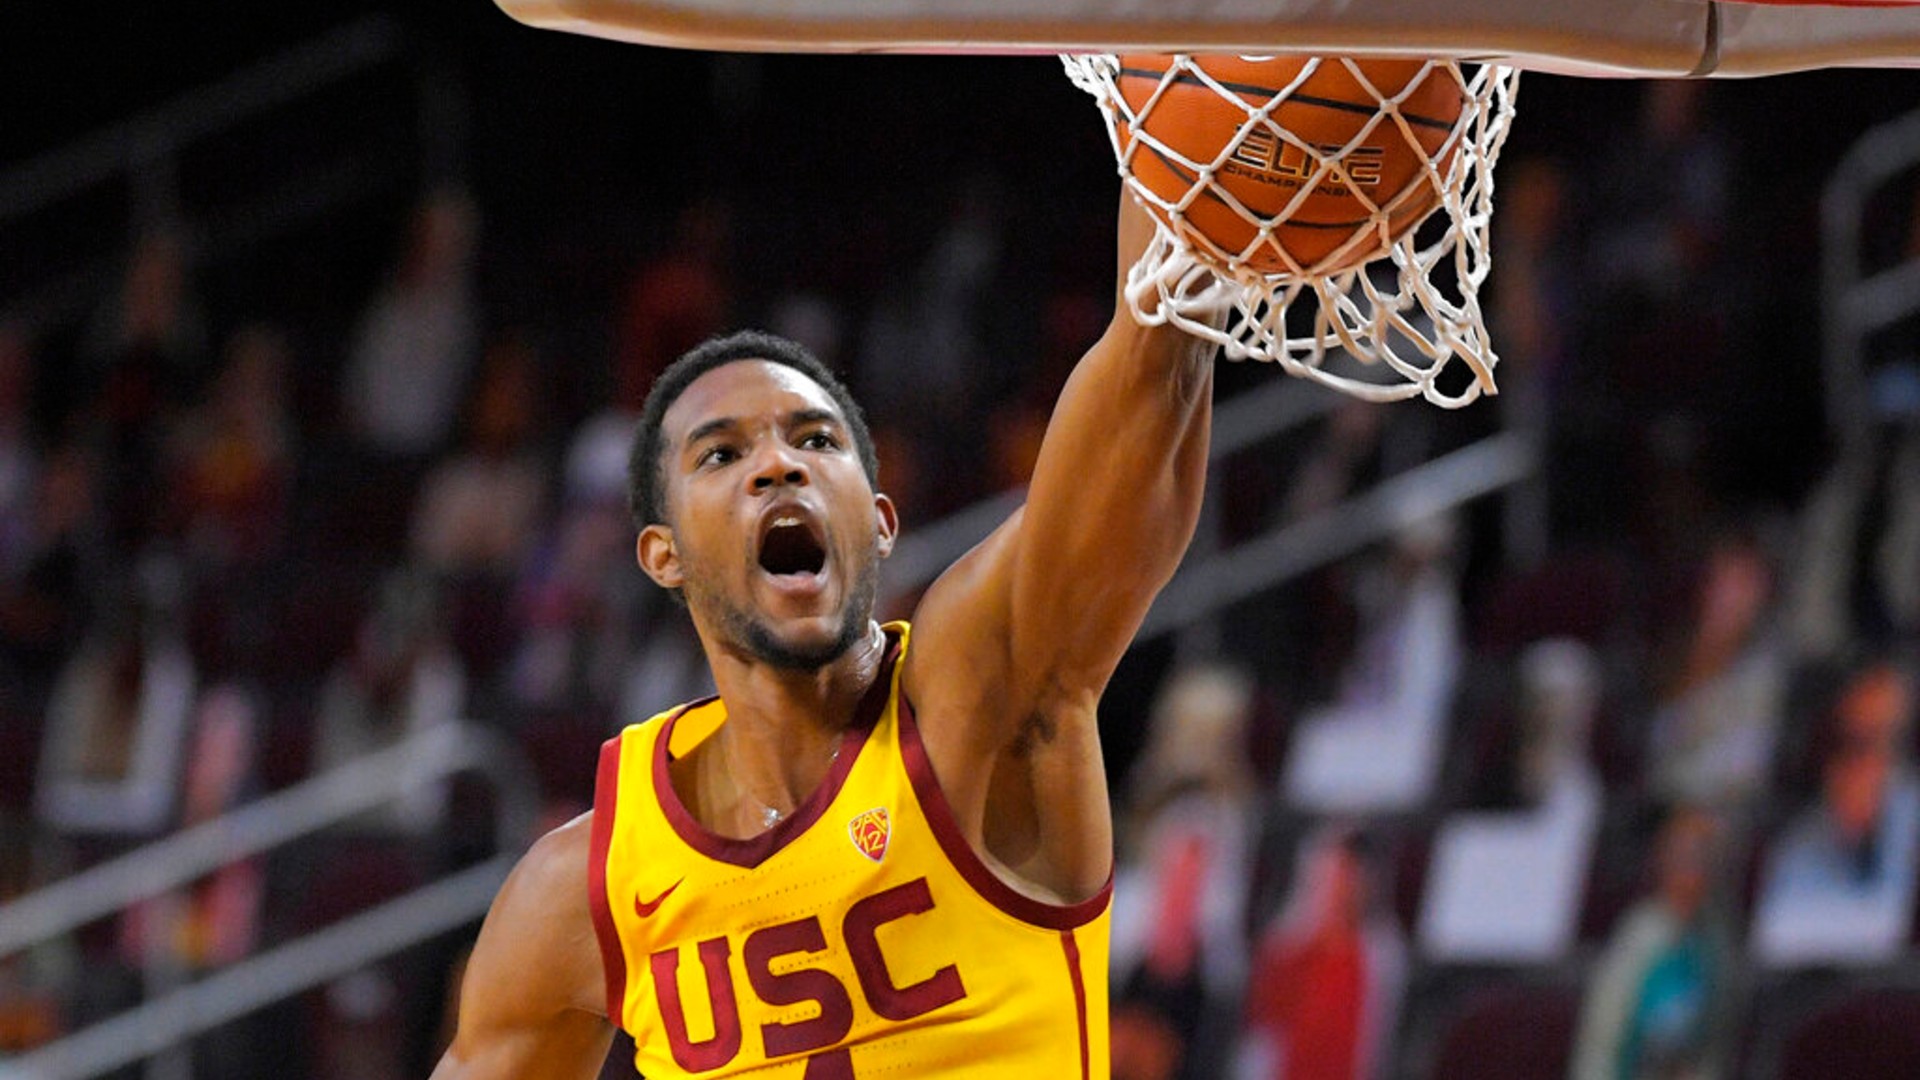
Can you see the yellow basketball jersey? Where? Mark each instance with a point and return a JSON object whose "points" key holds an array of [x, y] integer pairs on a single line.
{"points": [[859, 937]]}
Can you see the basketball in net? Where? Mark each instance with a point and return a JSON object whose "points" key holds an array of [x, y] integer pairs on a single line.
{"points": [[1289, 164], [1326, 214]]}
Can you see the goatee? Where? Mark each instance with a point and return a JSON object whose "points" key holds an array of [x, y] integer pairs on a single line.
{"points": [[760, 641]]}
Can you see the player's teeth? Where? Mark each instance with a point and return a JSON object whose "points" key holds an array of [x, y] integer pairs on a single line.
{"points": [[785, 521]]}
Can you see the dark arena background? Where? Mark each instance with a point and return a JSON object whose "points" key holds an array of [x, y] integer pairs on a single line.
{"points": [[1567, 734]]}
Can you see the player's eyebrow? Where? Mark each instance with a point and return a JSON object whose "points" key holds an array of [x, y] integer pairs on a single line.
{"points": [[715, 426], [803, 417], [724, 424]]}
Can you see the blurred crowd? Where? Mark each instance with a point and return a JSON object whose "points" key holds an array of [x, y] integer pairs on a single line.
{"points": [[1632, 798], [1609, 776]]}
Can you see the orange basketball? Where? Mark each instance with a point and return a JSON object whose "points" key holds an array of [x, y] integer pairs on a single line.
{"points": [[1264, 172]]}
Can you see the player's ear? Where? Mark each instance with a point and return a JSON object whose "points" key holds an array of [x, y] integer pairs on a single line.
{"points": [[887, 519], [659, 557]]}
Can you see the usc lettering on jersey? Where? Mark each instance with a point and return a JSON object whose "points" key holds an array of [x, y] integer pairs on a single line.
{"points": [[859, 937]]}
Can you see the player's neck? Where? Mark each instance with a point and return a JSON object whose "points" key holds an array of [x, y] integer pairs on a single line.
{"points": [[775, 698], [783, 726]]}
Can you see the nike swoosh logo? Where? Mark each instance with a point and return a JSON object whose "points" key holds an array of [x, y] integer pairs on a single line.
{"points": [[645, 908]]}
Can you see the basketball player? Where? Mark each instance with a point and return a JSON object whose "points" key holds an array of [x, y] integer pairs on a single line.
{"points": [[880, 851]]}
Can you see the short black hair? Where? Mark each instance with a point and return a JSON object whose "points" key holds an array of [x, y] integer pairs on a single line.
{"points": [[646, 495]]}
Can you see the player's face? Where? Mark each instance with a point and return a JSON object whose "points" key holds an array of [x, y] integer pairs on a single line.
{"points": [[775, 533]]}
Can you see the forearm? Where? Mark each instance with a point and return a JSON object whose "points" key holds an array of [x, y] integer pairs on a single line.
{"points": [[1117, 490], [1126, 449]]}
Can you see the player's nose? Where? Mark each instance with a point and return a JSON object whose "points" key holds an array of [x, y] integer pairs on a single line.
{"points": [[777, 465]]}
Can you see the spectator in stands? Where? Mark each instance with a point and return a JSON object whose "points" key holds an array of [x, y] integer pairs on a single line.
{"points": [[573, 599], [1713, 729], [118, 718], [1664, 398], [1338, 463], [36, 984], [414, 347], [478, 510], [1327, 975], [19, 449], [1378, 747], [150, 338], [1658, 1005], [215, 921], [1070, 321], [1665, 200], [906, 473], [668, 658], [1839, 885], [401, 679], [1857, 567], [933, 327], [937, 323], [675, 300], [813, 320], [1533, 307], [1505, 885], [1656, 271], [47, 588], [142, 361], [233, 457], [1181, 886], [359, 1026]]}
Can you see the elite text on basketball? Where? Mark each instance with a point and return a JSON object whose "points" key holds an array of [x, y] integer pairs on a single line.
{"points": [[1265, 156]]}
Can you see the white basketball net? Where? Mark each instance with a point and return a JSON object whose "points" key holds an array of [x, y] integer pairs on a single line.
{"points": [[1402, 320]]}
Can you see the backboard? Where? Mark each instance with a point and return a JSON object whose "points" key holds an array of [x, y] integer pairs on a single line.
{"points": [[1591, 37]]}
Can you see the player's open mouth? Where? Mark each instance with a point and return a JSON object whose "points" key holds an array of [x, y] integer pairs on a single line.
{"points": [[790, 548]]}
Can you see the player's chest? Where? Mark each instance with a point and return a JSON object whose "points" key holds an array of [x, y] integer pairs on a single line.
{"points": [[859, 927]]}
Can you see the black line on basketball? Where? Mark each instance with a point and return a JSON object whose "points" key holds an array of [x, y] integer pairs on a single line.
{"points": [[1172, 166], [1305, 224], [1250, 90]]}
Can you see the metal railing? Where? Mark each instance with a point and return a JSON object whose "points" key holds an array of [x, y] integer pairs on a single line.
{"points": [[1857, 304], [329, 799], [144, 154], [1279, 555], [1250, 418], [145, 145], [1212, 580]]}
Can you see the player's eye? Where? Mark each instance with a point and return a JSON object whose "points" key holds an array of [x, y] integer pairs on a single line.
{"points": [[718, 454], [819, 440]]}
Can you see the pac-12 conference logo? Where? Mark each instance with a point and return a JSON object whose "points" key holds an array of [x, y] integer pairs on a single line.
{"points": [[870, 832]]}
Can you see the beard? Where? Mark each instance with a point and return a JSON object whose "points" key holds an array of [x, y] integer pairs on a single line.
{"points": [[752, 633]]}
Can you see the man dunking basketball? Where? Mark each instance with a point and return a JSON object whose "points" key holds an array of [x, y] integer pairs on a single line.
{"points": [[879, 851]]}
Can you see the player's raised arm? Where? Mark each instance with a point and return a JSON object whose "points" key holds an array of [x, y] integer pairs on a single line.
{"points": [[531, 1004], [1115, 494], [1013, 645]]}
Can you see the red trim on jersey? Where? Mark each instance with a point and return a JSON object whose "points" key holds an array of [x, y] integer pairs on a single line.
{"points": [[754, 850], [613, 960], [1072, 949], [939, 814]]}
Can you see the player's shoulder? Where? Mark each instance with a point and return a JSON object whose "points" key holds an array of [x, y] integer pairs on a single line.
{"points": [[552, 874], [536, 956], [960, 622]]}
